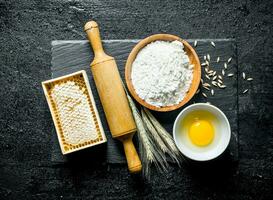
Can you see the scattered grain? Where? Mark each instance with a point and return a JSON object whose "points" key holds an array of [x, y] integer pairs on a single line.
{"points": [[245, 91], [222, 86], [195, 43], [229, 60], [244, 75], [212, 43], [212, 92], [206, 84], [214, 83], [208, 57], [230, 75]]}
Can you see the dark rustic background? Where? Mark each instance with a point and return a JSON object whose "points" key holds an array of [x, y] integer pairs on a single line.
{"points": [[27, 29]]}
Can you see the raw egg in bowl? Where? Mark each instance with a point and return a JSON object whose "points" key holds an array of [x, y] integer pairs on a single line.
{"points": [[201, 132]]}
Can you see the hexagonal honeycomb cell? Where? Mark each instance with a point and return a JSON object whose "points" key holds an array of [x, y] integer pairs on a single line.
{"points": [[74, 112]]}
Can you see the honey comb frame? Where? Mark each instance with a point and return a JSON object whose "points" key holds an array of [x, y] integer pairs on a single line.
{"points": [[82, 80]]}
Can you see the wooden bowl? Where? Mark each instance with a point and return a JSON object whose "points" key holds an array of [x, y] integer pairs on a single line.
{"points": [[194, 60]]}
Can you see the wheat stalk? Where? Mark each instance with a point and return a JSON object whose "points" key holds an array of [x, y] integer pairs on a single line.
{"points": [[154, 141], [154, 132], [173, 151], [148, 149], [161, 148]]}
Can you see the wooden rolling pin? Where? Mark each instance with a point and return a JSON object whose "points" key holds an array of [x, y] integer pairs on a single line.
{"points": [[113, 97]]}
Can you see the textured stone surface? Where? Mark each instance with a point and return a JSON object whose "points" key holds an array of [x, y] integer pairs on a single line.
{"points": [[74, 55], [27, 27]]}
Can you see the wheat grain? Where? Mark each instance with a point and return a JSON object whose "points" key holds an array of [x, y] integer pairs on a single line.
{"points": [[212, 43], [208, 57], [195, 43], [230, 75], [212, 92], [210, 71], [206, 84], [214, 83], [244, 75], [229, 60], [222, 86]]}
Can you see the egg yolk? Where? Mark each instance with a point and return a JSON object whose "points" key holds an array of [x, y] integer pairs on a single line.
{"points": [[201, 132]]}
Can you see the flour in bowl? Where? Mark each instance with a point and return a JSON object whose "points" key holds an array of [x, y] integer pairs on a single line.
{"points": [[162, 74]]}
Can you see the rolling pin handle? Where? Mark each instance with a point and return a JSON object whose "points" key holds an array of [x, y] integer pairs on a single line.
{"points": [[133, 161], [92, 30]]}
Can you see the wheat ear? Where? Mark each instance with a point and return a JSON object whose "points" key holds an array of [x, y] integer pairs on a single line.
{"points": [[148, 150], [173, 152], [161, 148]]}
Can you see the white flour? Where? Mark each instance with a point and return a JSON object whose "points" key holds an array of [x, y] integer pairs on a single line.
{"points": [[162, 74]]}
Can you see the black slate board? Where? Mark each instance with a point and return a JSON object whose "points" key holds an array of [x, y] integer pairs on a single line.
{"points": [[71, 56]]}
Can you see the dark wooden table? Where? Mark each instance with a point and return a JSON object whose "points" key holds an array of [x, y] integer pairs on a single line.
{"points": [[28, 27]]}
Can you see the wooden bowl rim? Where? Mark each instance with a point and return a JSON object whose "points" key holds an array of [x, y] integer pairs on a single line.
{"points": [[128, 69]]}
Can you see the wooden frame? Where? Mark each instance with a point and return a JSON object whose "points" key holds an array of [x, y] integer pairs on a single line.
{"points": [[82, 77], [194, 60]]}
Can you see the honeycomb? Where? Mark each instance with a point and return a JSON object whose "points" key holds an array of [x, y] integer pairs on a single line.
{"points": [[76, 118]]}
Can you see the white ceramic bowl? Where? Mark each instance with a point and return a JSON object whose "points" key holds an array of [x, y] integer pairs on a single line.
{"points": [[216, 147]]}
